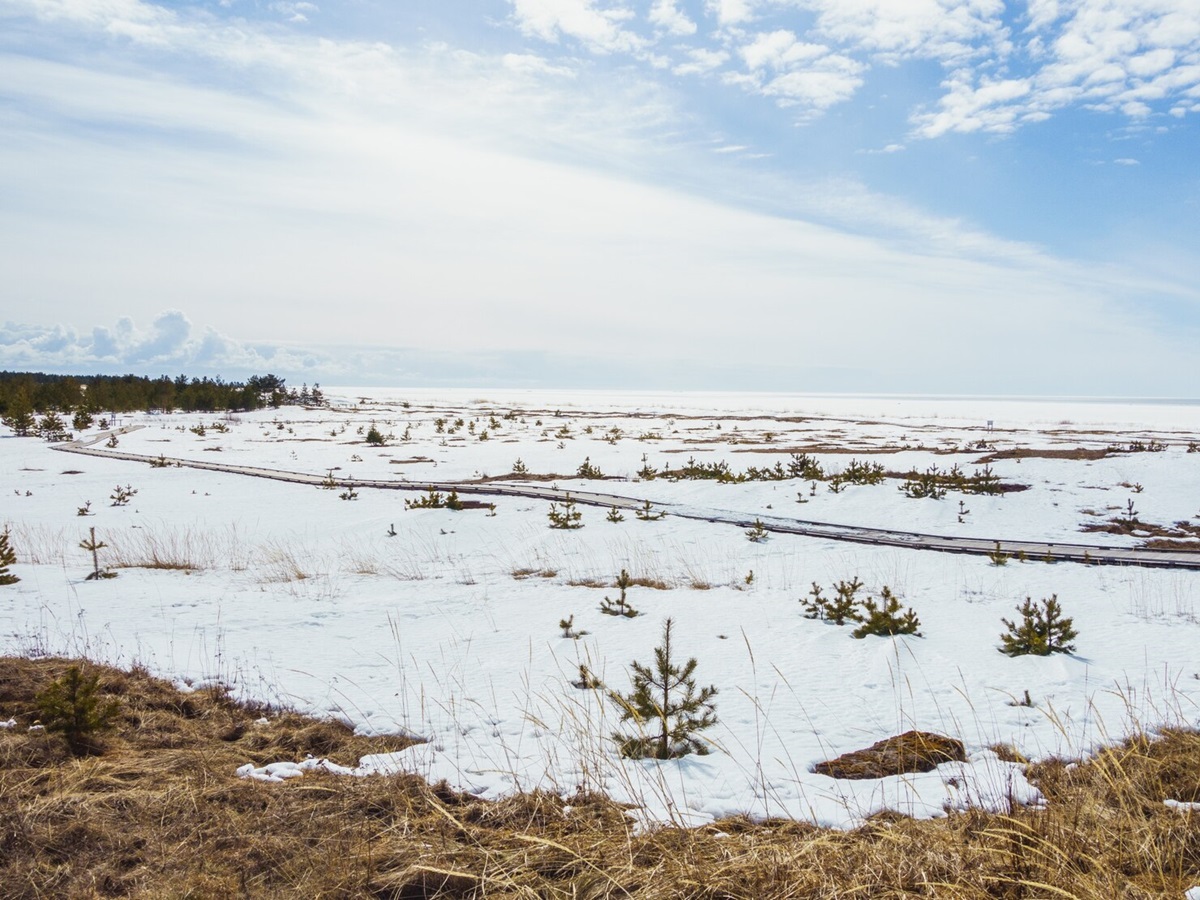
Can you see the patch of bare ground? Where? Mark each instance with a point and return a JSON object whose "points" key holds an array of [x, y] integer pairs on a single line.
{"points": [[1043, 453], [1182, 535], [161, 814], [514, 476]]}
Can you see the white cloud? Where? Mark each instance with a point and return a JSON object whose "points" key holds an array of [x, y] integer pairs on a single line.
{"points": [[294, 11], [730, 12], [931, 29], [701, 61], [1118, 56], [598, 28], [780, 50], [667, 15], [1126, 161]]}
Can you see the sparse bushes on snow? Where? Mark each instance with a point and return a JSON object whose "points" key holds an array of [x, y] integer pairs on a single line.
{"points": [[884, 618]]}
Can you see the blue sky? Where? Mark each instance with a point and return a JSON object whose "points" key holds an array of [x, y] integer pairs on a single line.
{"points": [[790, 195]]}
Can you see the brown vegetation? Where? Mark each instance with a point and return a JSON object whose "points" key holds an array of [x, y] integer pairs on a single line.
{"points": [[913, 751], [1045, 453], [162, 814]]}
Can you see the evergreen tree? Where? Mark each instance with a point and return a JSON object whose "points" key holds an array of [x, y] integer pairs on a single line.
{"points": [[51, 427], [886, 619], [19, 416], [1042, 630], [8, 557], [72, 706], [666, 706], [567, 518]]}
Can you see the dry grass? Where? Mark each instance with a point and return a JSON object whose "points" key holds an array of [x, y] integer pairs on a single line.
{"points": [[161, 814], [1042, 453]]}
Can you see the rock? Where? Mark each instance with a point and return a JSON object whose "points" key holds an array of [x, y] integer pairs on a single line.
{"points": [[913, 751]]}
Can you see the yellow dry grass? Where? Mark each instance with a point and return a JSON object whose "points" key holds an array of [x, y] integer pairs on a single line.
{"points": [[161, 814]]}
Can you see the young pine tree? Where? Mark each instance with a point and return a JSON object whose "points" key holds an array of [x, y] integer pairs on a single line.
{"points": [[73, 707], [667, 707], [1042, 630], [8, 557]]}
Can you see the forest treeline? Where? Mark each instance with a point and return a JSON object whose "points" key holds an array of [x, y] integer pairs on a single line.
{"points": [[28, 393]]}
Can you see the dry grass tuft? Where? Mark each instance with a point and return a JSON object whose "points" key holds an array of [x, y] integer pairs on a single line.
{"points": [[161, 814]]}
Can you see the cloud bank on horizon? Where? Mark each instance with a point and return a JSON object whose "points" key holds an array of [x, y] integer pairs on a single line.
{"points": [[927, 195]]}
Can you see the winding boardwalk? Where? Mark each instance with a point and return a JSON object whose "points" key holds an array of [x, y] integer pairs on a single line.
{"points": [[1091, 554]]}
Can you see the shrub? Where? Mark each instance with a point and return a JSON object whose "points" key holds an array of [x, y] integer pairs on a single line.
{"points": [[620, 606], [432, 500], [886, 619], [1041, 631], [375, 438], [587, 470], [757, 533], [647, 514], [614, 515], [666, 706], [566, 518], [72, 706], [842, 609], [122, 495]]}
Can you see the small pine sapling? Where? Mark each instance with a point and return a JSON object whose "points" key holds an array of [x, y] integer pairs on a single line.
{"points": [[568, 628], [757, 533], [841, 609], [587, 680], [112, 441], [85, 510], [8, 557], [997, 556], [519, 467], [666, 706], [375, 437], [589, 471], [73, 707], [647, 514], [122, 495], [1041, 631], [349, 494], [453, 503], [94, 547], [432, 500], [566, 518], [620, 606], [614, 515], [886, 619]]}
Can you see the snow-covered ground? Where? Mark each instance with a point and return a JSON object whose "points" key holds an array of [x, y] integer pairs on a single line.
{"points": [[450, 628]]}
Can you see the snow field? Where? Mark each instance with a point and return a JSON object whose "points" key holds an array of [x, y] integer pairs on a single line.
{"points": [[449, 629]]}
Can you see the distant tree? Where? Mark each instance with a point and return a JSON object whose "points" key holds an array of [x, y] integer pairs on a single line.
{"points": [[19, 416], [52, 428]]}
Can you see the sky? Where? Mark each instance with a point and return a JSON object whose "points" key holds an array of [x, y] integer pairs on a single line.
{"points": [[874, 196]]}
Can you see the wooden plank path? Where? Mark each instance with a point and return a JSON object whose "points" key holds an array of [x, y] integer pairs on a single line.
{"points": [[1090, 554]]}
